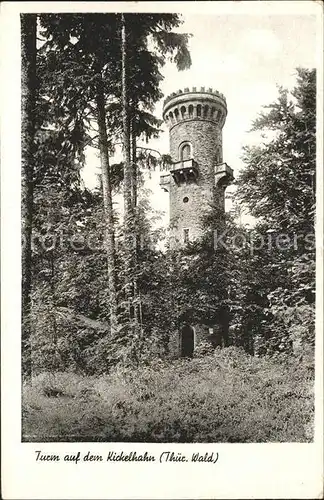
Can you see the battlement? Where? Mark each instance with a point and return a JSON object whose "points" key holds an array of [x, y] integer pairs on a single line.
{"points": [[195, 103], [194, 90]]}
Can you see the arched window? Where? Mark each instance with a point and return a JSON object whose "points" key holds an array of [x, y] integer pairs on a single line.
{"points": [[185, 151], [190, 111], [183, 112], [199, 110]]}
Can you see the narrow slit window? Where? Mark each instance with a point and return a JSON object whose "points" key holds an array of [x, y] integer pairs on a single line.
{"points": [[186, 235]]}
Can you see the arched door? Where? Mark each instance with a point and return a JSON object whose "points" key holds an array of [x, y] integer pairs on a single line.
{"points": [[187, 341]]}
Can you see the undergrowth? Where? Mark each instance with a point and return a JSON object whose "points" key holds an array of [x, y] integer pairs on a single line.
{"points": [[228, 396]]}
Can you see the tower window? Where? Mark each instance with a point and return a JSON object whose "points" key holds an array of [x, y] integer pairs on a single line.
{"points": [[185, 152], [186, 235], [218, 156], [185, 199]]}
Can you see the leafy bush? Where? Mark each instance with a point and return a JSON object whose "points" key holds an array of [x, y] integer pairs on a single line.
{"points": [[226, 397], [203, 349]]}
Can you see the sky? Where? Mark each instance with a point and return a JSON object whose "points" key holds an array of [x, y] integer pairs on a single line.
{"points": [[243, 56]]}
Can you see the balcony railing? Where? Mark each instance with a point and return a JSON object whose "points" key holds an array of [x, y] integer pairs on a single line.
{"points": [[165, 182], [184, 171], [223, 175], [184, 164]]}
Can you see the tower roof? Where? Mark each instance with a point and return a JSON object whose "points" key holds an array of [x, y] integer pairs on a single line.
{"points": [[212, 100], [194, 92]]}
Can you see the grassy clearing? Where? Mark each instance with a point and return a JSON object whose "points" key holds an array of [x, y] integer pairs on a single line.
{"points": [[227, 397]]}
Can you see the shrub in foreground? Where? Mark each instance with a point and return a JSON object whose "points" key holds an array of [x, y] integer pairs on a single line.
{"points": [[225, 397]]}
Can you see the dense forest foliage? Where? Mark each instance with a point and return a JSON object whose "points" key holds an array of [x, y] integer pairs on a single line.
{"points": [[98, 292]]}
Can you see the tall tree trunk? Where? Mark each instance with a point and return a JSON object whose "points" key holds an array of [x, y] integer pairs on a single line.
{"points": [[129, 233], [134, 164], [53, 293], [136, 235], [108, 207], [55, 361], [28, 94]]}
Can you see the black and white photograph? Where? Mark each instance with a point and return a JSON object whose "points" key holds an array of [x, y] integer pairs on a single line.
{"points": [[170, 229]]}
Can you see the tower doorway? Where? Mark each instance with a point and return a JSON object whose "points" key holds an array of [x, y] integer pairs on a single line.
{"points": [[187, 341]]}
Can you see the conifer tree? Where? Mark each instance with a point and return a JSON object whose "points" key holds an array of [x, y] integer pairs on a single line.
{"points": [[277, 184], [29, 94]]}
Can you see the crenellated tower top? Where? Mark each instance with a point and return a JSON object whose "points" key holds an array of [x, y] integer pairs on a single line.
{"points": [[195, 104]]}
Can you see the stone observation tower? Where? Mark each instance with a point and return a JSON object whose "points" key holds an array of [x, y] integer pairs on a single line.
{"points": [[198, 177], [196, 182]]}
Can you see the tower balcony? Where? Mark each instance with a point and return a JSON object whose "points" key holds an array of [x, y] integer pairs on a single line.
{"points": [[223, 175], [165, 182], [184, 171]]}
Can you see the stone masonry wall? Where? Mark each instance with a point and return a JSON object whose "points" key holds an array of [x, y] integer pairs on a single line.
{"points": [[206, 141], [197, 117], [202, 334]]}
